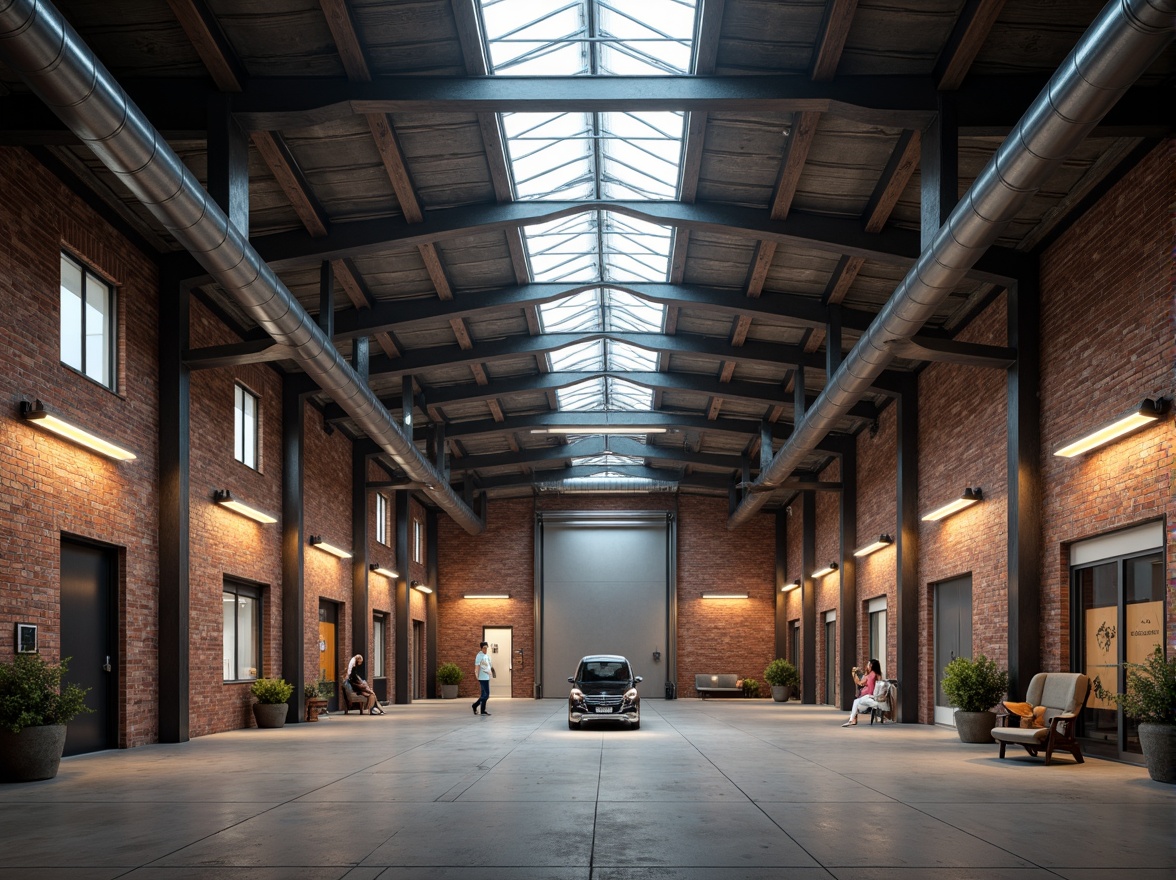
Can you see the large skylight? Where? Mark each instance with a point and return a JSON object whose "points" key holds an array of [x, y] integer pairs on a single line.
{"points": [[595, 156]]}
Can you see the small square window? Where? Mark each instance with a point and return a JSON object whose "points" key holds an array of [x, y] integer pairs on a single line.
{"points": [[245, 427], [87, 323], [382, 524]]}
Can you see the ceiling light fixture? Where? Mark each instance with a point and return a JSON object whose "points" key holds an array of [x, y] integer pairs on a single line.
{"points": [[225, 498], [828, 569], [386, 572], [970, 497], [788, 588], [602, 429], [317, 541], [883, 541], [486, 596], [36, 414], [1148, 412], [724, 595], [424, 588]]}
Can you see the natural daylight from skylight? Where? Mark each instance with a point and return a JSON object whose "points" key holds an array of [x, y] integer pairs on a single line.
{"points": [[589, 156]]}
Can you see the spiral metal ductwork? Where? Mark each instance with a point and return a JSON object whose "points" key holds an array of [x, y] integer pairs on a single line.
{"points": [[41, 46], [1122, 43]]}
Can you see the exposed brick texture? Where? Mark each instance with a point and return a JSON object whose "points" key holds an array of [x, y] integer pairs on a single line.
{"points": [[877, 514]]}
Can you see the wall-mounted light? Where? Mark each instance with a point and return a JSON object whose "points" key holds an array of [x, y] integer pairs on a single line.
{"points": [[486, 596], [37, 415], [424, 588], [788, 588], [317, 541], [386, 572], [883, 541], [828, 569], [601, 429], [970, 497], [724, 595], [225, 498], [1148, 412]]}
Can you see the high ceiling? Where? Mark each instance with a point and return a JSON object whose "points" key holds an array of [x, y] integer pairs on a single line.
{"points": [[593, 215]]}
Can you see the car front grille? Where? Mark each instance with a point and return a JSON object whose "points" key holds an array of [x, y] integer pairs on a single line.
{"points": [[603, 700]]}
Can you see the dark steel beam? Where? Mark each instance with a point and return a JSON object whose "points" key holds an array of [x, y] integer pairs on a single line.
{"points": [[235, 354], [947, 351], [293, 545], [808, 598], [402, 635], [847, 611], [907, 552]]}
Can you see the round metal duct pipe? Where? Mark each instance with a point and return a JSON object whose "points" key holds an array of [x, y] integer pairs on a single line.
{"points": [[41, 46], [1119, 46], [605, 486]]}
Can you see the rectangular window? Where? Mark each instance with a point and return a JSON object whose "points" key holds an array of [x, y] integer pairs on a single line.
{"points": [[87, 322], [418, 541], [877, 611], [379, 634], [245, 427], [382, 519], [242, 631]]}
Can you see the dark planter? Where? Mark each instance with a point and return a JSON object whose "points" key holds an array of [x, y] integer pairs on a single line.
{"points": [[270, 714], [1159, 750], [975, 727], [781, 693], [449, 691], [313, 708], [32, 754]]}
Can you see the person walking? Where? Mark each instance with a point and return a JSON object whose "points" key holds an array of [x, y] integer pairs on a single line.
{"points": [[484, 670]]}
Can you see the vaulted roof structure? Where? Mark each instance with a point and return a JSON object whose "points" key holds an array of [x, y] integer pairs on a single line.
{"points": [[596, 243]]}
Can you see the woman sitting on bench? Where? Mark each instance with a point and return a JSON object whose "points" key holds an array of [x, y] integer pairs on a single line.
{"points": [[868, 694], [360, 686]]}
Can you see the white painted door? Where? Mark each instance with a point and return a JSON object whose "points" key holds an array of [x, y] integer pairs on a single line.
{"points": [[502, 658]]}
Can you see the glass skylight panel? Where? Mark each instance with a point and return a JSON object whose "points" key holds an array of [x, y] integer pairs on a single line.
{"points": [[605, 394], [583, 396], [608, 459], [565, 250], [581, 357], [553, 155], [626, 397], [640, 154], [536, 37], [580, 311], [653, 37], [634, 250], [625, 357]]}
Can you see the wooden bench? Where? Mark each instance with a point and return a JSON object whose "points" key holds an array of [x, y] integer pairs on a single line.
{"points": [[717, 684]]}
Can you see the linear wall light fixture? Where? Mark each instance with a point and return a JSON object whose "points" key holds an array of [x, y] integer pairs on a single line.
{"points": [[724, 595], [386, 572], [601, 429], [317, 541], [225, 498], [424, 588], [970, 497], [486, 596], [828, 569], [883, 541], [1148, 412], [36, 414], [788, 588]]}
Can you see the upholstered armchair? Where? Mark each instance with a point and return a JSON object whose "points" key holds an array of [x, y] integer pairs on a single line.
{"points": [[1064, 695]]}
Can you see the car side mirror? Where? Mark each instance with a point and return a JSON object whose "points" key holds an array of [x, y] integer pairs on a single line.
{"points": [[571, 681], [638, 680]]}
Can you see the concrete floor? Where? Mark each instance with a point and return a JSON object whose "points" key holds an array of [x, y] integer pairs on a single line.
{"points": [[726, 789]]}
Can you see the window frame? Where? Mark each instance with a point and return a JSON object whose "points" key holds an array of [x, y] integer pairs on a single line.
{"points": [[254, 593], [109, 356], [241, 394], [382, 521], [418, 541], [379, 645]]}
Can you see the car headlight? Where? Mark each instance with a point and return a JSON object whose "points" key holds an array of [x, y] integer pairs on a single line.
{"points": [[630, 695], [577, 695]]}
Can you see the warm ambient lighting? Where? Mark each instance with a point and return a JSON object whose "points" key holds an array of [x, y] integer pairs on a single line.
{"points": [[424, 588], [724, 595], [486, 596], [386, 572], [828, 569], [970, 497], [225, 499], [1149, 412], [317, 541], [883, 541], [35, 413], [601, 429], [788, 588]]}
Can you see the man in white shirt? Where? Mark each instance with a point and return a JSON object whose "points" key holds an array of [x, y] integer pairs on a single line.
{"points": [[484, 670]]}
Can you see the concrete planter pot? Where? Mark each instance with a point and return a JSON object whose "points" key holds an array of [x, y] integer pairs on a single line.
{"points": [[32, 754], [270, 715], [781, 693], [1159, 750], [975, 727], [449, 691]]}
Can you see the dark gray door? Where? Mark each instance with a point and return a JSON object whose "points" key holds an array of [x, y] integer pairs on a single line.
{"points": [[831, 662], [953, 634], [87, 638]]}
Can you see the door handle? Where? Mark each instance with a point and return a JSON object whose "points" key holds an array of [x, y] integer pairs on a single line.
{"points": [[106, 665]]}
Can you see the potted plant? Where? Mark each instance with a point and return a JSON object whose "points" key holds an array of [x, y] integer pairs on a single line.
{"points": [[272, 693], [974, 686], [317, 694], [449, 677], [782, 678], [750, 687], [34, 709], [1151, 701]]}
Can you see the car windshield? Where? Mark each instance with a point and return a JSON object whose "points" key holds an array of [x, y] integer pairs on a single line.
{"points": [[604, 670]]}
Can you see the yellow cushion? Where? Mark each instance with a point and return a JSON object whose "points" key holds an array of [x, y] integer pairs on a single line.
{"points": [[1031, 716]]}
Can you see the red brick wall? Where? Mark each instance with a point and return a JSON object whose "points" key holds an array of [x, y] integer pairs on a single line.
{"points": [[1107, 343], [50, 487], [828, 587], [962, 443], [877, 514], [793, 603]]}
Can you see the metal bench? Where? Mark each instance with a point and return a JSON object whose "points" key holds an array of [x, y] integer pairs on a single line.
{"points": [[716, 684]]}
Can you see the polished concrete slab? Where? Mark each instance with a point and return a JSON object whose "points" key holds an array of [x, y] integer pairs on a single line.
{"points": [[714, 790]]}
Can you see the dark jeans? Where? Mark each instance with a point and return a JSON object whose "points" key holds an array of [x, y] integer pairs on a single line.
{"points": [[485, 694]]}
